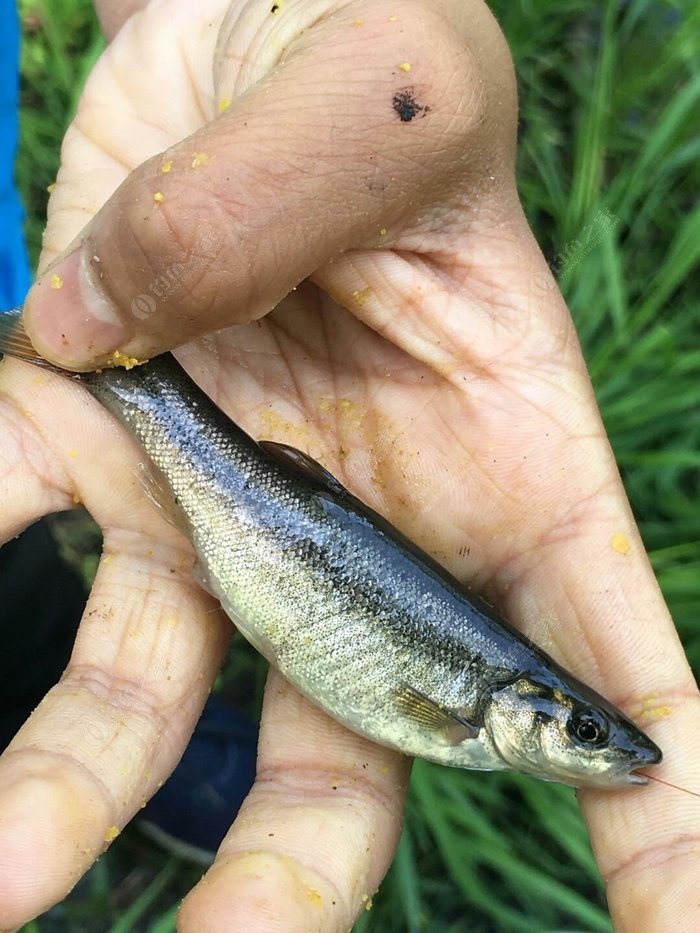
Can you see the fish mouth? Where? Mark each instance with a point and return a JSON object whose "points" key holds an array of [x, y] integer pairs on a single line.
{"points": [[626, 776], [634, 777], [649, 754]]}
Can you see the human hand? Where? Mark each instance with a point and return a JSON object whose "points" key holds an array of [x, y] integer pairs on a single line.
{"points": [[433, 368]]}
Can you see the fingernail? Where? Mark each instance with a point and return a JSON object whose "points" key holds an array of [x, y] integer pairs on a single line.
{"points": [[68, 318]]}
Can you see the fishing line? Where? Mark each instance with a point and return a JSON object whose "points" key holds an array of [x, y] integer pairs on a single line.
{"points": [[651, 777]]}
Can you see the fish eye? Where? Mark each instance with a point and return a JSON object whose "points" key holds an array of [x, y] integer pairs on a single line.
{"points": [[588, 727]]}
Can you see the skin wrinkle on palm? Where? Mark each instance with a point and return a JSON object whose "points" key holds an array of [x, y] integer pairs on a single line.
{"points": [[505, 405]]}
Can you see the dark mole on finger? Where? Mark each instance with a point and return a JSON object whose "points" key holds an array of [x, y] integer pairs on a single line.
{"points": [[406, 106]]}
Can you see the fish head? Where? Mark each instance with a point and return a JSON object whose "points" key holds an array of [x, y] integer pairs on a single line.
{"points": [[560, 730]]}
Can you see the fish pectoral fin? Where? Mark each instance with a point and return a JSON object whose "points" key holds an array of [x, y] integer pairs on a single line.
{"points": [[158, 491], [201, 575], [302, 464], [429, 714]]}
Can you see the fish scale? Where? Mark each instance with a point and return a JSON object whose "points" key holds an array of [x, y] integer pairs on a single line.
{"points": [[352, 613]]}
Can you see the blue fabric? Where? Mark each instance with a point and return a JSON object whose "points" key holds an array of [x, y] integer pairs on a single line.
{"points": [[197, 804], [14, 266]]}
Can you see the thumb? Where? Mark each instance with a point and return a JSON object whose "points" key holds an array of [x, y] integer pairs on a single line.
{"points": [[359, 130]]}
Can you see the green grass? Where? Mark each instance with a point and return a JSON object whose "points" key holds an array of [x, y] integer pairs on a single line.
{"points": [[609, 93], [62, 41]]}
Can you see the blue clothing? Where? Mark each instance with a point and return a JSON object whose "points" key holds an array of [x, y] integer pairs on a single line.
{"points": [[14, 266]]}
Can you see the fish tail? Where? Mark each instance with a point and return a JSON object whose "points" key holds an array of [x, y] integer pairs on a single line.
{"points": [[15, 342]]}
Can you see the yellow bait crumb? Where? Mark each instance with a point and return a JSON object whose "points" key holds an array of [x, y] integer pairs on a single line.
{"points": [[51, 188], [224, 104], [128, 362], [314, 896], [392, 19], [111, 833], [56, 282], [273, 424], [368, 905], [159, 197], [383, 231], [648, 707], [620, 543], [660, 712], [200, 158], [405, 66], [167, 167], [72, 453], [358, 22], [362, 295], [343, 408]]}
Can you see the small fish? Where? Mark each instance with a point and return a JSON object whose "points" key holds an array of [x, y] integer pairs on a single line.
{"points": [[355, 616]]}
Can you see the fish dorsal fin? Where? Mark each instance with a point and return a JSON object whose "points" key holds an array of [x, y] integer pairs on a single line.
{"points": [[429, 714], [304, 465]]}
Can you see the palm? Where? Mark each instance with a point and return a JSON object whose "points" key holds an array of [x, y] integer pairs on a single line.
{"points": [[466, 419]]}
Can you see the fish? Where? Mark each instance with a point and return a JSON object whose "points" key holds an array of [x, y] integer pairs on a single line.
{"points": [[355, 616]]}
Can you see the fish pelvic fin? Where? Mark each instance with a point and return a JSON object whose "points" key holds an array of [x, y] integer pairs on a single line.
{"points": [[429, 714], [15, 342]]}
